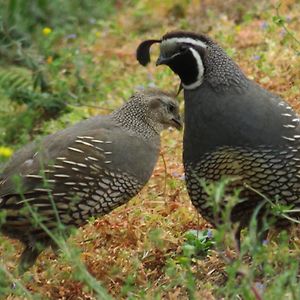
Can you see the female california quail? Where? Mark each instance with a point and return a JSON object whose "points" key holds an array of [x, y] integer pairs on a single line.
{"points": [[82, 171], [233, 127]]}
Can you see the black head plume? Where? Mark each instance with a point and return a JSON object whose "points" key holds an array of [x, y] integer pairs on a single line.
{"points": [[143, 51]]}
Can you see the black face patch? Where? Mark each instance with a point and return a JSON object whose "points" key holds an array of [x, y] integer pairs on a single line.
{"points": [[185, 66]]}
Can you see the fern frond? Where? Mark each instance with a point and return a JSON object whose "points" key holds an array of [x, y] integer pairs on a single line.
{"points": [[13, 78]]}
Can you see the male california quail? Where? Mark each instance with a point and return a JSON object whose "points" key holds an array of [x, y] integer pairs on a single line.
{"points": [[233, 127], [82, 171]]}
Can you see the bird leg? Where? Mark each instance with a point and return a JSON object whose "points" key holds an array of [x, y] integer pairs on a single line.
{"points": [[55, 248], [28, 257], [237, 237], [261, 233]]}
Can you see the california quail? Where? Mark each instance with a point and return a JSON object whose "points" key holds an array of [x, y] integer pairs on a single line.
{"points": [[233, 127], [82, 171]]}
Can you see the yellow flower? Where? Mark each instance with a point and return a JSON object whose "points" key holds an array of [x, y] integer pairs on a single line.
{"points": [[47, 31], [6, 152], [238, 28], [49, 59]]}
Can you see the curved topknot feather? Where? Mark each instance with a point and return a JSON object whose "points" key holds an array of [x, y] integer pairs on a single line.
{"points": [[143, 51]]}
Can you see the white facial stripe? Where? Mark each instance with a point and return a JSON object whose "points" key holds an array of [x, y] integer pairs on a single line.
{"points": [[174, 55], [185, 40], [200, 68]]}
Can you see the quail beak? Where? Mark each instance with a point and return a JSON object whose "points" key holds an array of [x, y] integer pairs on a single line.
{"points": [[162, 60], [177, 123]]}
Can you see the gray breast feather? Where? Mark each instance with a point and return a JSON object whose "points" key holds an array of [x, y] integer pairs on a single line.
{"points": [[251, 116]]}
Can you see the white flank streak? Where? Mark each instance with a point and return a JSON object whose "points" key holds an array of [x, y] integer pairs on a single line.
{"points": [[98, 141], [42, 204], [34, 176], [200, 71], [289, 139], [108, 142], [286, 115], [70, 183], [75, 149], [61, 175], [84, 143], [296, 120], [69, 162], [289, 126], [98, 148], [107, 162], [107, 152], [92, 158], [81, 165], [85, 137], [26, 200], [297, 136], [186, 40], [94, 168], [58, 167], [42, 190]]}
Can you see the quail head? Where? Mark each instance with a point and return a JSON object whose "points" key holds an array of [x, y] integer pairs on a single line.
{"points": [[82, 171], [233, 128]]}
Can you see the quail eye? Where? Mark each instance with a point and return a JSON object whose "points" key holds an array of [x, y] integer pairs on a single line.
{"points": [[171, 108]]}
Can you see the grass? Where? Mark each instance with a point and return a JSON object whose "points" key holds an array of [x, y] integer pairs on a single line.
{"points": [[155, 246]]}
